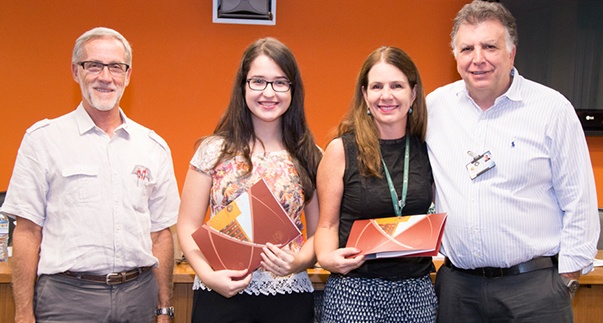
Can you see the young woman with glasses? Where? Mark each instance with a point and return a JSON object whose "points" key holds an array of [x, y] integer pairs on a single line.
{"points": [[262, 135]]}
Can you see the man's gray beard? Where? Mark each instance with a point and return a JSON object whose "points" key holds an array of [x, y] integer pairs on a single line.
{"points": [[97, 104], [103, 107]]}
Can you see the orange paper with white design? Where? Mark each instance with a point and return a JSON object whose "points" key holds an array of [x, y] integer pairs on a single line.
{"points": [[234, 237], [401, 236]]}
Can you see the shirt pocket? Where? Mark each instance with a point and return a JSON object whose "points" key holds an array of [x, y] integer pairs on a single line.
{"points": [[143, 196], [82, 184]]}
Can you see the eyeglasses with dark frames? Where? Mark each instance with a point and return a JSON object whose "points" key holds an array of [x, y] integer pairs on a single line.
{"points": [[97, 67], [258, 84]]}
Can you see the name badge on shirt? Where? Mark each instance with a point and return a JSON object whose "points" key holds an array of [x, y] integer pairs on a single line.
{"points": [[480, 164]]}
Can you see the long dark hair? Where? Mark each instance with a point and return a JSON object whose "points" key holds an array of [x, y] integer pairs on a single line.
{"points": [[236, 126], [356, 120]]}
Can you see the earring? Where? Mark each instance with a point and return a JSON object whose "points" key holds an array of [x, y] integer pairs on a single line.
{"points": [[410, 111], [368, 112]]}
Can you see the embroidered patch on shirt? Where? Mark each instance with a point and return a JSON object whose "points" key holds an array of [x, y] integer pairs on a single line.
{"points": [[142, 173]]}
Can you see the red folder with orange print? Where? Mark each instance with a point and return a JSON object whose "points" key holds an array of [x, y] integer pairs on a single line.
{"points": [[234, 237], [400, 236]]}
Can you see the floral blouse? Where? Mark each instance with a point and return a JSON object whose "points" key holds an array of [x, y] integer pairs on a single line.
{"points": [[229, 181]]}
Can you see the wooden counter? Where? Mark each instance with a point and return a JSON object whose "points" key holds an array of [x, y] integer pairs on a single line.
{"points": [[587, 304]]}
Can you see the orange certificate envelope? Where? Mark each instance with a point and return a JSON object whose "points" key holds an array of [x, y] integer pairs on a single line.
{"points": [[413, 236], [233, 238]]}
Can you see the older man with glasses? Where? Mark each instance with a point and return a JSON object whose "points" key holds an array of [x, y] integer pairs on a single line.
{"points": [[94, 195]]}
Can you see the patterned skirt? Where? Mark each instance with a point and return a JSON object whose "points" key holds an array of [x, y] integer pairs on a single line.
{"points": [[375, 300]]}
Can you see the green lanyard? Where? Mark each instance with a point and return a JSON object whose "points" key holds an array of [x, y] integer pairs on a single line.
{"points": [[392, 190]]}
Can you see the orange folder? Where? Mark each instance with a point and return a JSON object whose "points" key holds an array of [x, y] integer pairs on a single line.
{"points": [[401, 236], [234, 237]]}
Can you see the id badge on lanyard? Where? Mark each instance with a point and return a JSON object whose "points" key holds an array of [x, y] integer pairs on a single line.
{"points": [[480, 164]]}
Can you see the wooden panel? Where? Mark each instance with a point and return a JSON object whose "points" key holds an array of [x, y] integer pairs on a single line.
{"points": [[7, 305], [182, 302], [587, 304]]}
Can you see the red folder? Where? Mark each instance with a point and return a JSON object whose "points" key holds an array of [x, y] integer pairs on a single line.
{"points": [[404, 236], [233, 238]]}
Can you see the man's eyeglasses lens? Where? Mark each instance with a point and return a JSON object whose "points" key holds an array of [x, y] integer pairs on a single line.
{"points": [[261, 84], [97, 67]]}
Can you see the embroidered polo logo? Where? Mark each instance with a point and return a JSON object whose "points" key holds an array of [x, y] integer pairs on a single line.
{"points": [[142, 173]]}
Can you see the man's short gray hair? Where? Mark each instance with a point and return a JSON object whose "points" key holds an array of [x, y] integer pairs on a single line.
{"points": [[99, 32]]}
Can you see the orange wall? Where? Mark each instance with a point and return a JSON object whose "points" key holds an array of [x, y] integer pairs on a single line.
{"points": [[184, 64]]}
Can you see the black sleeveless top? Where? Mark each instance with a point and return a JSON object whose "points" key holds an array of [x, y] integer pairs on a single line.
{"points": [[369, 197]]}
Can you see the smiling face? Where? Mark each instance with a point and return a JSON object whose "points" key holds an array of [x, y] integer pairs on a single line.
{"points": [[102, 91], [484, 59], [266, 106], [389, 97]]}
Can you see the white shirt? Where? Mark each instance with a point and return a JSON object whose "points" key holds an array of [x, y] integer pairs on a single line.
{"points": [[539, 199], [97, 198]]}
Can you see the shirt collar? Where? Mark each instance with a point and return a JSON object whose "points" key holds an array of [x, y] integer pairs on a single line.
{"points": [[85, 123], [513, 93]]}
